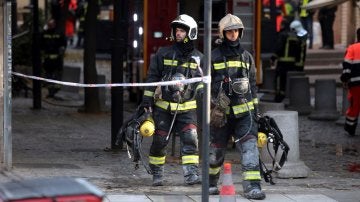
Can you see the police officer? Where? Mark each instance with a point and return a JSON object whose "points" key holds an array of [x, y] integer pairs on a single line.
{"points": [[53, 45], [177, 103], [233, 79], [287, 48], [351, 81]]}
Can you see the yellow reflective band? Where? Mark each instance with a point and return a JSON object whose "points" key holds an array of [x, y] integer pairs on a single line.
{"points": [[255, 101], [184, 106], [162, 104], [148, 93], [218, 66], [170, 62], [190, 159], [173, 106], [201, 85], [192, 65], [252, 175], [231, 64], [238, 109], [52, 56], [157, 160], [214, 171], [287, 59]]}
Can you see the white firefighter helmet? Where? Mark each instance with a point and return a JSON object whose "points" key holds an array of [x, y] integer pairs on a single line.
{"points": [[230, 22], [187, 22], [298, 28]]}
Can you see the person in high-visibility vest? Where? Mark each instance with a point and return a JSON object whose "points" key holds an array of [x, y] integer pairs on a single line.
{"points": [[306, 18], [351, 81], [52, 44], [234, 107], [174, 111]]}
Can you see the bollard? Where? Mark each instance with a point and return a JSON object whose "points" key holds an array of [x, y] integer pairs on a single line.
{"points": [[299, 98], [290, 74], [325, 100], [287, 122], [71, 74], [344, 105], [268, 86], [270, 106]]}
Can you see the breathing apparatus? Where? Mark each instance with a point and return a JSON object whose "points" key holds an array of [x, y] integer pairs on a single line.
{"points": [[140, 124], [269, 133]]}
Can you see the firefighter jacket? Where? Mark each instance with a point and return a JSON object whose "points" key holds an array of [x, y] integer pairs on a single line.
{"points": [[228, 65], [52, 44], [167, 62], [288, 48], [351, 65], [301, 54]]}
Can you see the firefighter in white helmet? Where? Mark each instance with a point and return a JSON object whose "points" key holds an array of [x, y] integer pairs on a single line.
{"points": [[175, 111], [234, 107]]}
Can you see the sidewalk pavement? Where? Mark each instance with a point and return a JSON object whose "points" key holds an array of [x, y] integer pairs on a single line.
{"points": [[59, 141]]}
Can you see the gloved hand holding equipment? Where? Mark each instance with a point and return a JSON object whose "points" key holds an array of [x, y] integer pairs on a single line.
{"points": [[140, 124]]}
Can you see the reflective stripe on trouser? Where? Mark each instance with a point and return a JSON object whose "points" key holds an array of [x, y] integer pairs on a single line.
{"points": [[250, 159], [251, 175], [157, 160], [190, 159], [184, 126]]}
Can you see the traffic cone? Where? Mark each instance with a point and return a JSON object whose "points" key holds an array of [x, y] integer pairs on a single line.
{"points": [[227, 191]]}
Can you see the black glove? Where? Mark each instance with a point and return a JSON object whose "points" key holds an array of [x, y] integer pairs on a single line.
{"points": [[257, 114], [147, 102]]}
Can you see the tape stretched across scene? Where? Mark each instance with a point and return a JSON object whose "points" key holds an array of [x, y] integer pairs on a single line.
{"points": [[204, 79]]}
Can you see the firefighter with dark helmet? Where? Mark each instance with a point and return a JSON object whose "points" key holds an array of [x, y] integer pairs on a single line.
{"points": [[174, 112], [52, 45], [233, 93]]}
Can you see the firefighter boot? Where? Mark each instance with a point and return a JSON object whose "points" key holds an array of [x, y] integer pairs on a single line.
{"points": [[213, 189], [350, 126], [158, 175], [191, 174], [252, 190]]}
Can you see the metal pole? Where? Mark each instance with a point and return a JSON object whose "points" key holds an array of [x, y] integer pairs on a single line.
{"points": [[7, 86], [36, 61], [117, 57], [206, 101]]}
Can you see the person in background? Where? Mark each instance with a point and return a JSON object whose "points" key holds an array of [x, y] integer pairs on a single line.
{"points": [[350, 78], [326, 18], [286, 50], [175, 109], [234, 110], [52, 44], [306, 18], [302, 34], [80, 14]]}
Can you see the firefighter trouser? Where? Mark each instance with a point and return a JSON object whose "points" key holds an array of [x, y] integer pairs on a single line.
{"points": [[185, 127], [245, 145], [281, 76], [53, 70], [353, 111]]}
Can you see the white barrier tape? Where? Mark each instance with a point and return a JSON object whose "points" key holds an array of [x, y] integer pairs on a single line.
{"points": [[205, 79]]}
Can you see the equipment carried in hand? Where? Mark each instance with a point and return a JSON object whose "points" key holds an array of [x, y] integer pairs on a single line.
{"points": [[140, 124], [268, 127]]}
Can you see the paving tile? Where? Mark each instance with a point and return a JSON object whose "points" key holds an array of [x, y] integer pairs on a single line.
{"points": [[310, 197], [126, 198]]}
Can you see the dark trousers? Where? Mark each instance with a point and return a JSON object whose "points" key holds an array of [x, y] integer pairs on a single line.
{"points": [[327, 31]]}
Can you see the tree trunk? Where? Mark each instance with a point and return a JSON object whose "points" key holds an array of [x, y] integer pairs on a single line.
{"points": [[92, 103]]}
